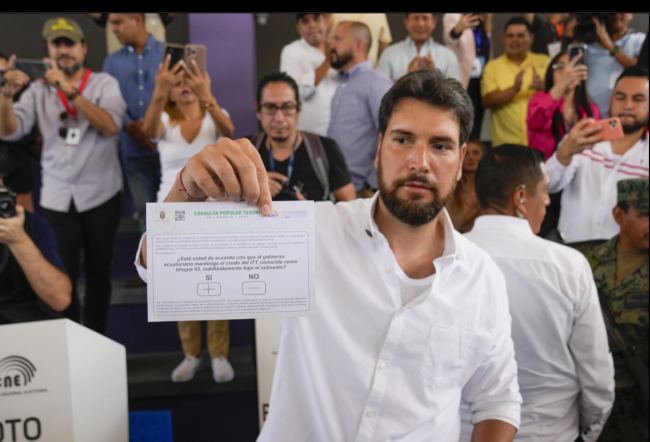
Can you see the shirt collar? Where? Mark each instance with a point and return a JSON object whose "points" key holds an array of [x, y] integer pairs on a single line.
{"points": [[361, 67], [430, 41], [504, 223], [147, 47], [450, 250]]}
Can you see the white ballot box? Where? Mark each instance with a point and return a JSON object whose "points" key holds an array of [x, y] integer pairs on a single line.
{"points": [[61, 382], [217, 260]]}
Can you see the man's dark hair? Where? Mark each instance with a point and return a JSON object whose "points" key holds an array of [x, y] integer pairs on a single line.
{"points": [[504, 168], [518, 20], [432, 13], [302, 14], [277, 77], [633, 71], [3, 56], [431, 87]]}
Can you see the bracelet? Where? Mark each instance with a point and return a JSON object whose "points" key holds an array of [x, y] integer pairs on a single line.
{"points": [[73, 95], [210, 106], [615, 51], [180, 178]]}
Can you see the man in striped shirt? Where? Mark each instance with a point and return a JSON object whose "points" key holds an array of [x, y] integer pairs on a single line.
{"points": [[587, 169]]}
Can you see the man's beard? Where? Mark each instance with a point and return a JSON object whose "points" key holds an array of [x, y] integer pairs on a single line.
{"points": [[341, 60], [69, 70], [412, 211], [637, 125]]}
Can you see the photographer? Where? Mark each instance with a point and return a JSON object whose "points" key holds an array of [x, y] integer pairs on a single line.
{"points": [[33, 285], [79, 114], [615, 48], [300, 165]]}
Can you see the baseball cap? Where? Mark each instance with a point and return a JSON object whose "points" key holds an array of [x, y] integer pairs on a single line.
{"points": [[62, 27], [634, 192]]}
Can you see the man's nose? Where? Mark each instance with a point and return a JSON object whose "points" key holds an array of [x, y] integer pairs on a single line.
{"points": [[279, 116], [419, 158]]}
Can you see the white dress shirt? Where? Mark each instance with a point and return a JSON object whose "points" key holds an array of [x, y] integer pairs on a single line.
{"points": [[395, 59], [299, 59], [589, 185], [368, 368], [566, 373]]}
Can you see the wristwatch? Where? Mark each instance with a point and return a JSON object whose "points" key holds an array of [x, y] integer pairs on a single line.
{"points": [[614, 51], [75, 93]]}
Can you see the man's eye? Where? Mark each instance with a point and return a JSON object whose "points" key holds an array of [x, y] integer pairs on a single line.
{"points": [[440, 147], [401, 140]]}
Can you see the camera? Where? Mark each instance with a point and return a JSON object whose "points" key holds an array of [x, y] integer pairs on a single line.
{"points": [[585, 29], [7, 202], [288, 192]]}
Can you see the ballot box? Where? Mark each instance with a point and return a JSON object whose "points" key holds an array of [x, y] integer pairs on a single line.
{"points": [[60, 381]]}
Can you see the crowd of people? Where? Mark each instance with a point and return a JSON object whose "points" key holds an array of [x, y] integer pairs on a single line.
{"points": [[548, 339]]}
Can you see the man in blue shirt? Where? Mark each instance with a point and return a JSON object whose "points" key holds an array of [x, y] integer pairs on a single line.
{"points": [[355, 105], [135, 67], [617, 48]]}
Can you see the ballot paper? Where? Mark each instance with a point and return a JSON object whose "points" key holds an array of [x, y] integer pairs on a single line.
{"points": [[218, 260]]}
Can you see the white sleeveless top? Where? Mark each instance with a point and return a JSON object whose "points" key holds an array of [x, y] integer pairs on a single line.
{"points": [[174, 150]]}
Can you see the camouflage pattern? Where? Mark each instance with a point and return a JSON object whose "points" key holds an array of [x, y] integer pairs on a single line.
{"points": [[634, 193], [629, 300]]}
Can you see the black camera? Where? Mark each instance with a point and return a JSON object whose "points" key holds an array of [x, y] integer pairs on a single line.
{"points": [[585, 29], [7, 202], [288, 192]]}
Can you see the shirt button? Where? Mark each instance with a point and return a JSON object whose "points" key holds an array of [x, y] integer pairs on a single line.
{"points": [[71, 186], [383, 366], [141, 103], [140, 71], [399, 314], [370, 414], [140, 87], [140, 56], [389, 270]]}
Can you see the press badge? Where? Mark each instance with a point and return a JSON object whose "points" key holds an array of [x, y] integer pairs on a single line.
{"points": [[73, 137]]}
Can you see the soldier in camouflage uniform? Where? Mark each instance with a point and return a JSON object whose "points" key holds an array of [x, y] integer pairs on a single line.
{"points": [[626, 300]]}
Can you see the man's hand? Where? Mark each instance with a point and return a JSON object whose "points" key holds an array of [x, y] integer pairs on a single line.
{"points": [[165, 78], [12, 230], [603, 37], [414, 65], [198, 82], [16, 79], [467, 21], [56, 78], [519, 79], [135, 131], [421, 63], [275, 182], [580, 138], [537, 83], [229, 169]]}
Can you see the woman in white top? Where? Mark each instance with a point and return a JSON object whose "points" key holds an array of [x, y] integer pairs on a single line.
{"points": [[184, 117]]}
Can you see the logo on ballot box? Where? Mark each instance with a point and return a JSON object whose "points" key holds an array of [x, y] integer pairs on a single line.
{"points": [[16, 371]]}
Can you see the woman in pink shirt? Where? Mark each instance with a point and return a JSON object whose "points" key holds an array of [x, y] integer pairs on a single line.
{"points": [[563, 103]]}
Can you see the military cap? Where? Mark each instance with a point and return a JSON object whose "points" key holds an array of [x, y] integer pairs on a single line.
{"points": [[62, 27], [634, 193]]}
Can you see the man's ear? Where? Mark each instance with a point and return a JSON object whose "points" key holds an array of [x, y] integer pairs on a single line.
{"points": [[532, 38], [379, 140], [519, 200], [463, 151], [257, 111], [619, 214]]}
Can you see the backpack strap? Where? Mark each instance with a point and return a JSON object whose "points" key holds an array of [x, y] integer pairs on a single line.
{"points": [[319, 162]]}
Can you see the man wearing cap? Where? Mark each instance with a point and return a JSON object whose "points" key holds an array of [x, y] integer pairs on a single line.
{"points": [[79, 114], [620, 268]]}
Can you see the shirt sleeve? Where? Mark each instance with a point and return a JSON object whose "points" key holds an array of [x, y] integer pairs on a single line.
{"points": [[560, 175], [385, 35], [488, 81], [493, 391], [294, 66], [636, 43], [138, 263], [383, 65], [339, 175], [25, 113], [42, 236], [111, 100], [593, 361], [540, 111], [449, 22]]}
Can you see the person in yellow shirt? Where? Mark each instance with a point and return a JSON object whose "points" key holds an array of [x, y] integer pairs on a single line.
{"points": [[379, 31], [510, 81]]}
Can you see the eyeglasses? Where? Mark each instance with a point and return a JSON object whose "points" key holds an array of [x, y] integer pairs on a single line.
{"points": [[558, 66], [272, 109], [65, 119]]}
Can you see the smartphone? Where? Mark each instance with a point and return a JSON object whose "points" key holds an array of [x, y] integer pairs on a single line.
{"points": [[176, 51], [197, 53], [33, 68], [577, 49], [612, 129]]}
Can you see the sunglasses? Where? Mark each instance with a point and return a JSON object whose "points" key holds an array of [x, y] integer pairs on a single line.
{"points": [[65, 120]]}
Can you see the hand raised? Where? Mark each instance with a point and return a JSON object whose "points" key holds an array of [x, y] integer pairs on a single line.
{"points": [[580, 138], [536, 83], [165, 78], [229, 169], [16, 79], [198, 82], [519, 79], [56, 78]]}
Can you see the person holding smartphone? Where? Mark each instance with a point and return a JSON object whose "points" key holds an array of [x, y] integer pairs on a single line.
{"points": [[79, 114], [586, 167], [184, 117]]}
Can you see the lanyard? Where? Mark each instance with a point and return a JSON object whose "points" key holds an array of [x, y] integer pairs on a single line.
{"points": [[290, 167], [73, 111], [478, 37]]}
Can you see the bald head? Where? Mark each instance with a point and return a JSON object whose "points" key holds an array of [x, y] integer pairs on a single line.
{"points": [[349, 45]]}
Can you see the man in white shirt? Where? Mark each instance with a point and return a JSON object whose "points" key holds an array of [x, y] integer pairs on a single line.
{"points": [[565, 370], [307, 61], [587, 170], [418, 51], [412, 316]]}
